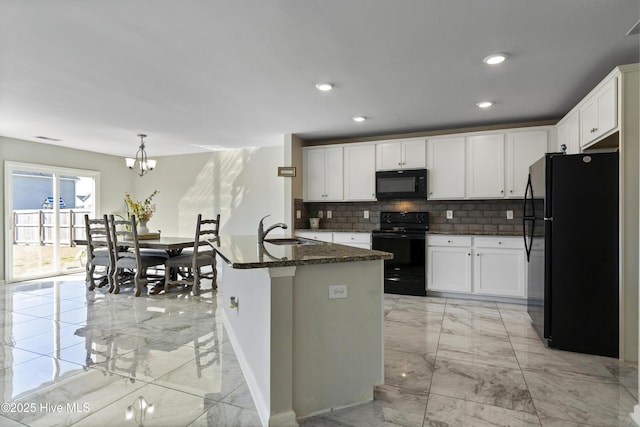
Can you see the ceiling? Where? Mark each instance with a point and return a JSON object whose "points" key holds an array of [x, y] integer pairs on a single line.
{"points": [[197, 74]]}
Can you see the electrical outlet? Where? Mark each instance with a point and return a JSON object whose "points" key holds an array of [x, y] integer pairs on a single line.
{"points": [[366, 214], [298, 214], [320, 215], [338, 291], [509, 214], [449, 214], [329, 215]]}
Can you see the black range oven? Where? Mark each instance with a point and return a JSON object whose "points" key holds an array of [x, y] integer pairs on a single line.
{"points": [[404, 235]]}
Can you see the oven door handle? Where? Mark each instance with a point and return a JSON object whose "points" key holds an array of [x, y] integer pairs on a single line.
{"points": [[384, 235]]}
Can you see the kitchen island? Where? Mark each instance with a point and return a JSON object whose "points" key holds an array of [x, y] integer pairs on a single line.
{"points": [[305, 319]]}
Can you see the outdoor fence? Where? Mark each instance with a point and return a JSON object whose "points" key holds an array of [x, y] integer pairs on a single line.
{"points": [[37, 226]]}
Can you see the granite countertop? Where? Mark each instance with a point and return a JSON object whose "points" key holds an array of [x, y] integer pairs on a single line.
{"points": [[244, 252]]}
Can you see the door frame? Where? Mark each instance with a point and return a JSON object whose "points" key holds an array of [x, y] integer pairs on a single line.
{"points": [[9, 168]]}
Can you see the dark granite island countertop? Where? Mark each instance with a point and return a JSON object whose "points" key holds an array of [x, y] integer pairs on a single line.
{"points": [[243, 252]]}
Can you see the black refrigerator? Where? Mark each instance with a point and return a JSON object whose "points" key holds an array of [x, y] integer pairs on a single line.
{"points": [[570, 226]]}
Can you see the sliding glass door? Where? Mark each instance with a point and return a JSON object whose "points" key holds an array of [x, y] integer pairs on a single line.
{"points": [[44, 214]]}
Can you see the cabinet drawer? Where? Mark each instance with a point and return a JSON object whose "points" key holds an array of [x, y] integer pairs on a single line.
{"points": [[348, 238], [499, 242], [323, 236], [449, 240]]}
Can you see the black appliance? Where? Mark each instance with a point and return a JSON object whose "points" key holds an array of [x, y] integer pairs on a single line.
{"points": [[401, 184], [404, 235], [571, 238]]}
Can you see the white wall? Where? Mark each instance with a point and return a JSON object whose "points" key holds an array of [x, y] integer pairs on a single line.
{"points": [[242, 185]]}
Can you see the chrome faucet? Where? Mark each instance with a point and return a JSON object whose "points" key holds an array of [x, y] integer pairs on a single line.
{"points": [[261, 231]]}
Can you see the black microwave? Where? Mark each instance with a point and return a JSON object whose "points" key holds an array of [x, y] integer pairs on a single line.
{"points": [[401, 184]]}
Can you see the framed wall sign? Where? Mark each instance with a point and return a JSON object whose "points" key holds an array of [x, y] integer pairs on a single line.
{"points": [[287, 171]]}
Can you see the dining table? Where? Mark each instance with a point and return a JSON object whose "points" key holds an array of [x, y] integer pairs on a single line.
{"points": [[172, 245]]}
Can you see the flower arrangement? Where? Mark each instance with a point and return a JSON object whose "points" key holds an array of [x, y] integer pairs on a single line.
{"points": [[143, 210]]}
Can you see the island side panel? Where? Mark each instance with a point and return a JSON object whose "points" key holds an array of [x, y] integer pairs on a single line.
{"points": [[338, 344], [249, 328]]}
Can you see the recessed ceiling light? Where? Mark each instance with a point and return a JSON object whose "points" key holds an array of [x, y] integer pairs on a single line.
{"points": [[484, 104], [496, 58], [359, 118], [324, 86]]}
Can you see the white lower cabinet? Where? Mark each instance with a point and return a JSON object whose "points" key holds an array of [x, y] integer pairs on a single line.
{"points": [[358, 240], [489, 266], [323, 236], [355, 239]]}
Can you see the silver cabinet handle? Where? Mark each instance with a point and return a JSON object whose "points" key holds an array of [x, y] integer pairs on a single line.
{"points": [[594, 130]]}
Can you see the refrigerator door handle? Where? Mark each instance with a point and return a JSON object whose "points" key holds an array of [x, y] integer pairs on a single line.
{"points": [[529, 189], [528, 243]]}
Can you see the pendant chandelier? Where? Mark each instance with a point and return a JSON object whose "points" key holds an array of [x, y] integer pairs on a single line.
{"points": [[141, 163]]}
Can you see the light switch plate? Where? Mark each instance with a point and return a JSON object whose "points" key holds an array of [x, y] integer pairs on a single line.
{"points": [[366, 214], [449, 214], [320, 214], [509, 214], [298, 214], [329, 215]]}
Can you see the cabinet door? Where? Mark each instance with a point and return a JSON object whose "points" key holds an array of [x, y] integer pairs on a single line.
{"points": [[485, 166], [448, 269], [523, 149], [569, 133], [313, 175], [389, 156], [360, 172], [445, 167], [599, 113], [333, 174], [499, 272], [413, 155]]}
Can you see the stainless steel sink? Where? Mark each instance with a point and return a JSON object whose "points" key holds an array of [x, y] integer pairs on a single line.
{"points": [[291, 241]]}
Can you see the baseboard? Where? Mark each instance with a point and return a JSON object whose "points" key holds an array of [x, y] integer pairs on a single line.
{"points": [[261, 406], [635, 415]]}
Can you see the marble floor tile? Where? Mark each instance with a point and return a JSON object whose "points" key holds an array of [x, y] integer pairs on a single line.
{"points": [[169, 408], [562, 363], [473, 326], [33, 375], [430, 321], [625, 373], [391, 407], [410, 372], [224, 414], [579, 400], [411, 339], [448, 362], [478, 349], [213, 376], [496, 386], [480, 312], [448, 411]]}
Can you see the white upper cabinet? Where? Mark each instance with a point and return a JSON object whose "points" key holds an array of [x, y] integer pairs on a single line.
{"points": [[569, 133], [360, 172], [446, 168], [598, 114], [409, 154], [522, 150], [323, 174], [485, 166]]}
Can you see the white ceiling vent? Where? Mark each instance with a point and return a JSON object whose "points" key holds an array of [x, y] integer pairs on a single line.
{"points": [[635, 29]]}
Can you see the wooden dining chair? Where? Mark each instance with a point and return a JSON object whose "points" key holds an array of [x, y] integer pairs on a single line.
{"points": [[131, 261], [98, 252], [189, 265]]}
